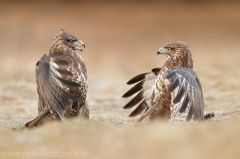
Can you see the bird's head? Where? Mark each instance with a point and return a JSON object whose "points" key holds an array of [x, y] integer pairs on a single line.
{"points": [[175, 50], [68, 40], [178, 54]]}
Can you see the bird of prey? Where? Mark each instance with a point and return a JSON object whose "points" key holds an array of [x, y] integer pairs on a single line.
{"points": [[62, 83], [172, 92]]}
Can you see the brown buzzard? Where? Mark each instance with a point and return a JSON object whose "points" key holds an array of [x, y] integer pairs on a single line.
{"points": [[173, 92], [61, 79]]}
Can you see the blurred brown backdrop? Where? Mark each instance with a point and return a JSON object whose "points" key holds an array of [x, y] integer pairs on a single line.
{"points": [[121, 37]]}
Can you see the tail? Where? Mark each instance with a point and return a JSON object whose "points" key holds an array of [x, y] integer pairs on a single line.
{"points": [[209, 115], [43, 117]]}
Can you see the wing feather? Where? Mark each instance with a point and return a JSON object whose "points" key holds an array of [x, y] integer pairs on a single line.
{"points": [[189, 84], [134, 101], [137, 78], [179, 94], [174, 84], [144, 88], [139, 109], [42, 117], [61, 62], [138, 87], [52, 87], [190, 113], [184, 104], [64, 72]]}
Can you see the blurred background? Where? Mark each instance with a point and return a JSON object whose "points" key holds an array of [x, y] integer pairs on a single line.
{"points": [[122, 39]]}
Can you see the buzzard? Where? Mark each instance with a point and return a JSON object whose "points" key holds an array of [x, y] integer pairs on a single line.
{"points": [[173, 92], [61, 79]]}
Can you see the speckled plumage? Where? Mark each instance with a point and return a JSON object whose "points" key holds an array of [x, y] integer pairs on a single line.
{"points": [[62, 83], [167, 102]]}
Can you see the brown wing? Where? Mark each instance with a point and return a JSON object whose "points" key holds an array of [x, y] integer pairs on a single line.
{"points": [[190, 90], [41, 104], [144, 89], [53, 88]]}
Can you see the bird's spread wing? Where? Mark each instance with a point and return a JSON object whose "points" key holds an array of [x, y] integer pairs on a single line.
{"points": [[145, 83], [190, 89], [53, 87]]}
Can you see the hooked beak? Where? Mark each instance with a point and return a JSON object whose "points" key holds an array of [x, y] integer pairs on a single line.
{"points": [[161, 51], [77, 45]]}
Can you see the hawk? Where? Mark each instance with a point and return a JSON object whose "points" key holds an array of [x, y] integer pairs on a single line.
{"points": [[172, 92], [62, 83]]}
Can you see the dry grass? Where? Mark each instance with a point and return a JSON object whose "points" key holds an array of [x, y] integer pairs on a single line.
{"points": [[122, 39], [101, 139]]}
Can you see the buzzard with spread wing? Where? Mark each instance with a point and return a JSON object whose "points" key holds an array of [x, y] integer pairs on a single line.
{"points": [[61, 79], [171, 92]]}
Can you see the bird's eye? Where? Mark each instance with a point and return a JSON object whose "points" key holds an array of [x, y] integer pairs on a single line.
{"points": [[168, 48], [70, 40]]}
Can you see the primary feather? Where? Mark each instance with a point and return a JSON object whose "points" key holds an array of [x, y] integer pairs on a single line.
{"points": [[144, 89]]}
